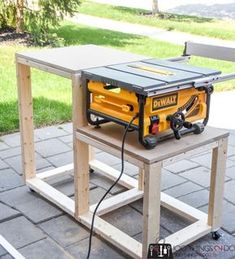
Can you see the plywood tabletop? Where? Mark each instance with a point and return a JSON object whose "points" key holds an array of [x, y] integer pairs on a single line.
{"points": [[111, 135], [75, 58]]}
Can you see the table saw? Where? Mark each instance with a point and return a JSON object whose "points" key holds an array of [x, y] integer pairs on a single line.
{"points": [[165, 96]]}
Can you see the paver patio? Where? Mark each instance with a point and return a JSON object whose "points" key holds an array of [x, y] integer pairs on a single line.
{"points": [[36, 227]]}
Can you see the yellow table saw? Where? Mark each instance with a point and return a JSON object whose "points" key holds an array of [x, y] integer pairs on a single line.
{"points": [[164, 95]]}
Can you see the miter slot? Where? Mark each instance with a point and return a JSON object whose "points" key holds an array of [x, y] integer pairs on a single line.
{"points": [[183, 67], [157, 72]]}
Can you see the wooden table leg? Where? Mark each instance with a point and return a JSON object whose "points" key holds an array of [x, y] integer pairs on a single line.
{"points": [[219, 156], [26, 120], [81, 149], [141, 179], [151, 206]]}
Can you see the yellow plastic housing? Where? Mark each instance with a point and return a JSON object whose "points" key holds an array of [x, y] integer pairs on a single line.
{"points": [[123, 105]]}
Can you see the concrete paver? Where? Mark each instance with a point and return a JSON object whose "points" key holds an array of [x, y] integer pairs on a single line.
{"points": [[187, 252], [16, 163], [51, 147], [10, 152], [183, 189], [232, 158], [67, 127], [99, 250], [163, 233], [126, 219], [45, 248], [30, 204], [230, 172], [20, 232], [105, 183], [2, 251], [67, 139], [3, 165], [129, 169], [181, 166], [13, 140], [7, 212], [205, 160], [229, 191], [196, 199], [64, 230], [61, 159], [171, 221], [232, 140], [169, 180], [96, 194], [199, 175], [50, 132], [9, 180], [108, 159], [66, 186], [227, 216], [3, 146], [231, 150]]}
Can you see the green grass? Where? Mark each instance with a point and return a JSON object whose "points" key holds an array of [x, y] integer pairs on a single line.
{"points": [[216, 28], [52, 94]]}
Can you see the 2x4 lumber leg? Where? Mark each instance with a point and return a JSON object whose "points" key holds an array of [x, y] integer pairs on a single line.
{"points": [[26, 120], [81, 149], [151, 205], [141, 179], [219, 156], [81, 179]]}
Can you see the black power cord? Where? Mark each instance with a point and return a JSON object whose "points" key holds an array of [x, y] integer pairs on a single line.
{"points": [[111, 187]]}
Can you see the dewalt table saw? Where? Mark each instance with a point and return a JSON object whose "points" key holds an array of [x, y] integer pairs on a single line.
{"points": [[164, 95]]}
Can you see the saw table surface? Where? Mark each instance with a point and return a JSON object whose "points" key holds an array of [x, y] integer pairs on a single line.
{"points": [[149, 75]]}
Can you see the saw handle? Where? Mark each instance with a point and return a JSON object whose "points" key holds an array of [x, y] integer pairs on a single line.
{"points": [[123, 107], [177, 122]]}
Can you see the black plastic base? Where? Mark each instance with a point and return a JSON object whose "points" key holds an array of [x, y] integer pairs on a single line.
{"points": [[91, 170], [150, 142], [215, 235]]}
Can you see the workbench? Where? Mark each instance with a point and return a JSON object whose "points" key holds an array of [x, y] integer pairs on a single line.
{"points": [[68, 62]]}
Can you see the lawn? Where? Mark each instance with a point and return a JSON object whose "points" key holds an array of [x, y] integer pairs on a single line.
{"points": [[222, 29], [52, 94]]}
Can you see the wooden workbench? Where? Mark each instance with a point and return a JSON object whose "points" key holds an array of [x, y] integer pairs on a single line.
{"points": [[68, 62]]}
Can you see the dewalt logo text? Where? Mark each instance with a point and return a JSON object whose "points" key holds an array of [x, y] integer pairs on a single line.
{"points": [[164, 101]]}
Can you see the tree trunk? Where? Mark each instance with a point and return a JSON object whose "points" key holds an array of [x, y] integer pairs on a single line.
{"points": [[155, 7], [20, 16]]}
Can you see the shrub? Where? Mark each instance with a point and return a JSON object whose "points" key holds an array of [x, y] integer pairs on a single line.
{"points": [[7, 13], [38, 20]]}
